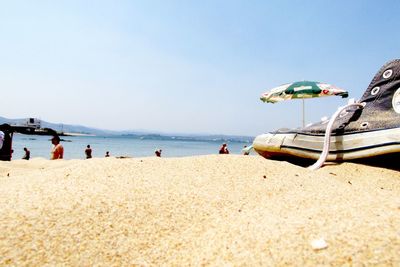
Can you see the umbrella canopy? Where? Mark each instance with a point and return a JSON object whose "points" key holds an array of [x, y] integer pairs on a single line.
{"points": [[301, 90]]}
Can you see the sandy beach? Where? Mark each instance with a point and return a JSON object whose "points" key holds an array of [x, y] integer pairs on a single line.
{"points": [[217, 210]]}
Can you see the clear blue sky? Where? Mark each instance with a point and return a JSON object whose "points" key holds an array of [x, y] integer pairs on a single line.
{"points": [[187, 66]]}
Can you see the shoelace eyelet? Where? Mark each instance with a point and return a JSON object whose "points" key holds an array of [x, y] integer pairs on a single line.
{"points": [[375, 90], [387, 74]]}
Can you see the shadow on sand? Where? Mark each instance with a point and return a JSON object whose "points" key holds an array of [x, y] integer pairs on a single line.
{"points": [[390, 161]]}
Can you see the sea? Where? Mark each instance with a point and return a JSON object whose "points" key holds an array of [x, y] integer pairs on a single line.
{"points": [[120, 146]]}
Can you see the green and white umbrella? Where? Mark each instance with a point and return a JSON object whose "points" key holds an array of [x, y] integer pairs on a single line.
{"points": [[301, 90]]}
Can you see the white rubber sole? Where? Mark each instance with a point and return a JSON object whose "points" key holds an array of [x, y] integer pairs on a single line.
{"points": [[343, 147]]}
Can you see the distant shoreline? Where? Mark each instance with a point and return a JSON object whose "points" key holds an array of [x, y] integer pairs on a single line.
{"points": [[76, 134]]}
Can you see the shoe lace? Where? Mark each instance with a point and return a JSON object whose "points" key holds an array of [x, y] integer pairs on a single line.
{"points": [[328, 132]]}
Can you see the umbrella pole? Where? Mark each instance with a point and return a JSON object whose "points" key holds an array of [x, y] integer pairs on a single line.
{"points": [[303, 114]]}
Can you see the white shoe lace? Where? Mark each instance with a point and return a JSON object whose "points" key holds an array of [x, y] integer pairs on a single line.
{"points": [[328, 132]]}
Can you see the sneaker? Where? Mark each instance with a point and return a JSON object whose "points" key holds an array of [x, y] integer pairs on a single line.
{"points": [[368, 128]]}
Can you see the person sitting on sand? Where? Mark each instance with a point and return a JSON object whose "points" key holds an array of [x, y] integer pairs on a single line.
{"points": [[57, 152], [224, 149], [158, 152], [107, 154], [27, 155], [246, 151], [88, 152]]}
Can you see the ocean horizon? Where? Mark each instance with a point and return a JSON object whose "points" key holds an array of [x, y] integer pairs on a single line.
{"points": [[121, 146]]}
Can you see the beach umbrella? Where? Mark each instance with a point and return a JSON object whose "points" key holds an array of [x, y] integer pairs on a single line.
{"points": [[302, 90]]}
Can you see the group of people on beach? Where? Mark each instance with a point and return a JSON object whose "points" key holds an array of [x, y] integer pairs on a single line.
{"points": [[224, 150], [57, 151], [88, 152]]}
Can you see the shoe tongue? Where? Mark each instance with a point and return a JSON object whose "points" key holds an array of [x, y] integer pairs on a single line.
{"points": [[385, 82]]}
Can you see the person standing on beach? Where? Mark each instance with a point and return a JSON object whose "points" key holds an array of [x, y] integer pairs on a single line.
{"points": [[88, 152], [158, 152], [1, 139], [27, 155], [6, 142], [57, 152], [107, 154], [224, 149]]}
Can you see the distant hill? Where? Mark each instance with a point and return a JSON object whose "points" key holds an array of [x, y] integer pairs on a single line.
{"points": [[68, 128], [182, 137]]}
